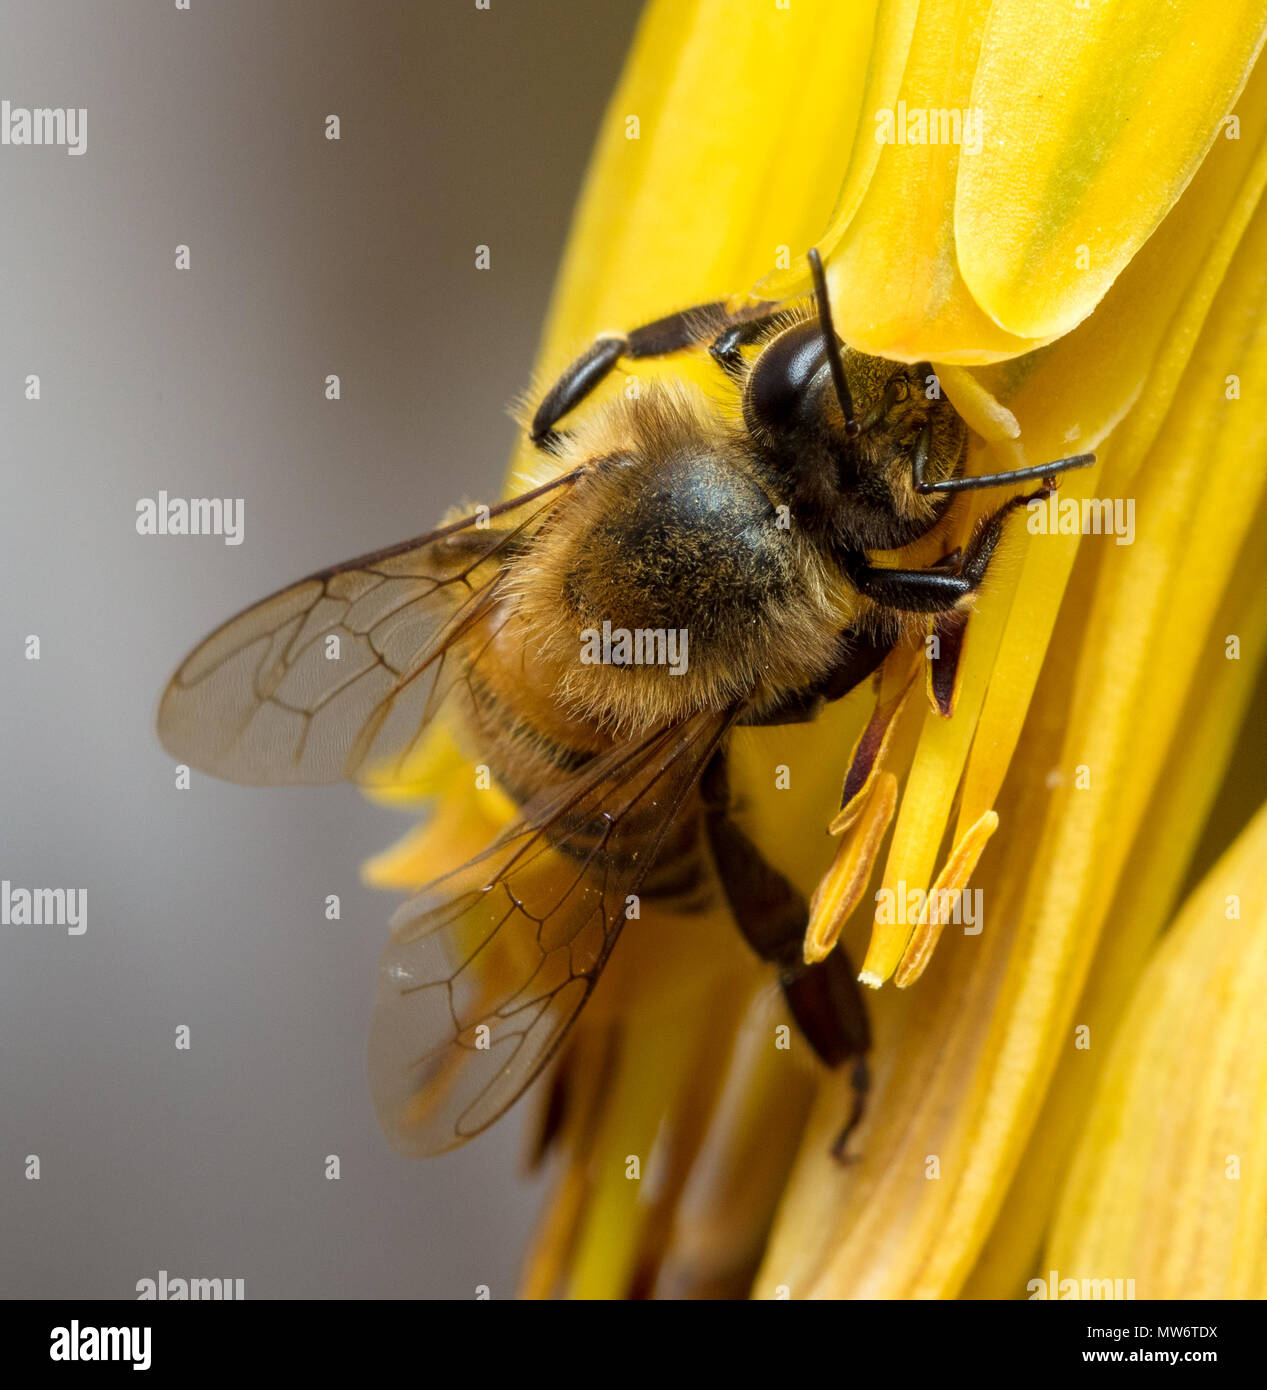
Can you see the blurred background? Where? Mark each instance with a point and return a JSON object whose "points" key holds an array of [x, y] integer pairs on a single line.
{"points": [[205, 907]]}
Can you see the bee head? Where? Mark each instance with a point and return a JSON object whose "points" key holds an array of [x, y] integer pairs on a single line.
{"points": [[843, 430], [893, 397]]}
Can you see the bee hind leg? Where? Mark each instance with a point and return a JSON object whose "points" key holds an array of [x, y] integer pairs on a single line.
{"points": [[825, 999]]}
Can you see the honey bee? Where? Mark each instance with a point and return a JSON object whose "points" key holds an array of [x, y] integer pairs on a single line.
{"points": [[743, 529]]}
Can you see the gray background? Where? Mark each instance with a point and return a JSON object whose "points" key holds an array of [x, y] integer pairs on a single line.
{"points": [[205, 906]]}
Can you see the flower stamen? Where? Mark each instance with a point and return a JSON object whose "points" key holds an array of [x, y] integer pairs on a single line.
{"points": [[842, 887]]}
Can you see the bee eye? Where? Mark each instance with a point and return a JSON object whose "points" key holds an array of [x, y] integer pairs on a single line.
{"points": [[778, 389], [899, 390]]}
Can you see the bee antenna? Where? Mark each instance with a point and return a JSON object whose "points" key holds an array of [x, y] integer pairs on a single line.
{"points": [[833, 345]]}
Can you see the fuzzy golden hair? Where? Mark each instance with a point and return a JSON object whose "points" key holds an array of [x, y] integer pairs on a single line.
{"points": [[675, 528]]}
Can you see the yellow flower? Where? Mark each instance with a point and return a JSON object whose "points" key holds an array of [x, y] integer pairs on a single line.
{"points": [[1066, 221]]}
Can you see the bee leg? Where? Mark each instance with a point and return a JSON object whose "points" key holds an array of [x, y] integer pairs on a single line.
{"points": [[706, 323], [949, 629], [726, 349], [796, 707], [935, 590], [825, 999], [860, 657]]}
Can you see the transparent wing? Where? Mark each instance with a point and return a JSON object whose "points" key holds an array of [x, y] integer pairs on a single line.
{"points": [[337, 676], [490, 964]]}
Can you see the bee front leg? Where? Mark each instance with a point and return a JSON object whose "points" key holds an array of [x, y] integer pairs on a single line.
{"points": [[724, 329], [825, 999], [935, 590], [727, 348]]}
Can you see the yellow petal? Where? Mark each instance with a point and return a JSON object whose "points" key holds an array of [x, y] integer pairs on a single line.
{"points": [[882, 45], [1146, 895], [892, 269], [674, 1021], [463, 821], [687, 211], [1167, 1186], [738, 1177], [1130, 354], [1072, 181], [981, 411]]}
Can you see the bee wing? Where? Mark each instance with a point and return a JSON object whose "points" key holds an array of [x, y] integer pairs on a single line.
{"points": [[271, 698], [490, 964]]}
